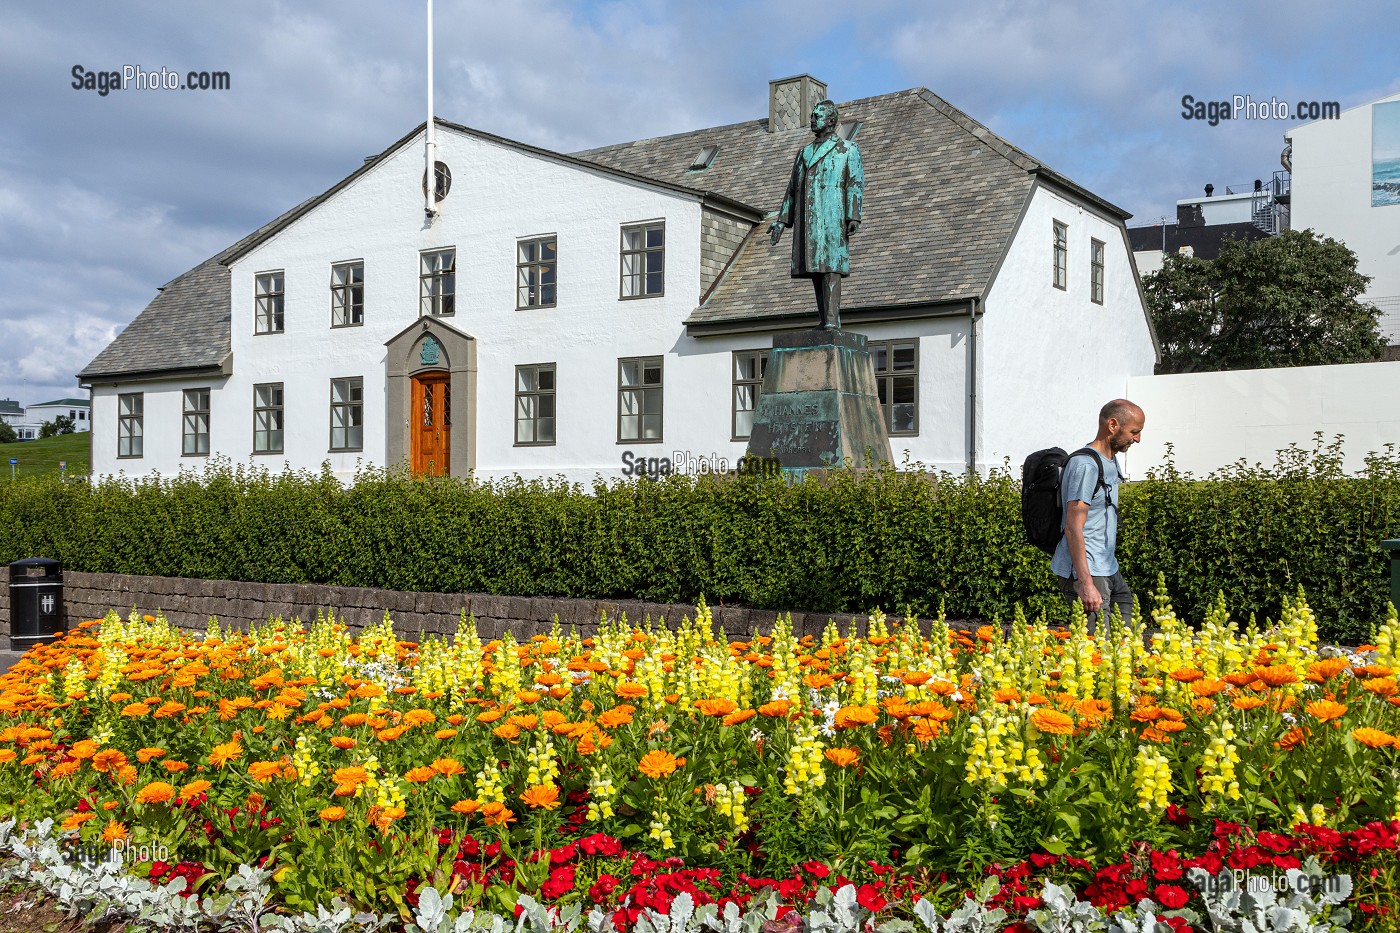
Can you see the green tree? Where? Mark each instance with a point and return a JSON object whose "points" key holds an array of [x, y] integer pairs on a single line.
{"points": [[1289, 300], [60, 425], [7, 433]]}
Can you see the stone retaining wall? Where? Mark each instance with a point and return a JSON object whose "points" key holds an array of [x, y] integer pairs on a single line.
{"points": [[190, 603]]}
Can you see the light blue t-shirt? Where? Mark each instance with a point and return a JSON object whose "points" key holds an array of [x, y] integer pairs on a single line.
{"points": [[1077, 484]]}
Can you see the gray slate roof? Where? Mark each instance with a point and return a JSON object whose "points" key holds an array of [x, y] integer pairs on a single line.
{"points": [[61, 401], [185, 327], [942, 198]]}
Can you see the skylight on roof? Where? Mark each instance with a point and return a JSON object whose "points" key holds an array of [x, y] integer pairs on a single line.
{"points": [[848, 129], [703, 158]]}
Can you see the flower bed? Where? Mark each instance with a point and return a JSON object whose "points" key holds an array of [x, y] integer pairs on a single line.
{"points": [[621, 771]]}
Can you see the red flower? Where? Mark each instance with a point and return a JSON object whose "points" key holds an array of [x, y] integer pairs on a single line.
{"points": [[1171, 896], [816, 869], [870, 898], [1025, 903], [1043, 859]]}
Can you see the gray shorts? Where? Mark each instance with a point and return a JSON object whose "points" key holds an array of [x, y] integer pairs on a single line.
{"points": [[1114, 591]]}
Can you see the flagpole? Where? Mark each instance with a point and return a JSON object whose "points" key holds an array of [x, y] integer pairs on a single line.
{"points": [[430, 147]]}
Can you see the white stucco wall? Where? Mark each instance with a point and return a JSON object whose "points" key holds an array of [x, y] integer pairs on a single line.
{"points": [[1223, 208], [38, 414], [1050, 358], [163, 420], [1214, 419], [499, 195], [1332, 194]]}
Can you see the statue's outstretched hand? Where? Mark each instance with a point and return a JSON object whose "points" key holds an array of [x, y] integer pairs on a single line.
{"points": [[775, 231]]}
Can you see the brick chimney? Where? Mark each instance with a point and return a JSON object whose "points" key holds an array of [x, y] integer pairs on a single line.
{"points": [[790, 102]]}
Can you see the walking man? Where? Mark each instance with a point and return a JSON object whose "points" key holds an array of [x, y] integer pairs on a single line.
{"points": [[1085, 561]]}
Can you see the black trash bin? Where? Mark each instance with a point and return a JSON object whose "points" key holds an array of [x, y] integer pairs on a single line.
{"points": [[36, 602]]}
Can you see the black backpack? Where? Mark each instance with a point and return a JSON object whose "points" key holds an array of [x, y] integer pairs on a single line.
{"points": [[1042, 515]]}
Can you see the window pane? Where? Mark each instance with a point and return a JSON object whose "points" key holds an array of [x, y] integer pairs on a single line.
{"points": [[905, 389], [651, 427], [651, 399], [652, 373], [628, 427], [529, 252], [904, 357], [546, 405], [545, 431], [903, 418], [743, 423], [655, 237], [546, 378], [630, 401], [629, 371], [879, 357], [526, 379], [632, 239]]}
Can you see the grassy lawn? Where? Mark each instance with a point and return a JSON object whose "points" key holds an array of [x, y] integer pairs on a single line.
{"points": [[41, 457]]}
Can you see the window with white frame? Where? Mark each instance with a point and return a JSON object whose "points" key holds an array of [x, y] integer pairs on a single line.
{"points": [[196, 423], [534, 405], [438, 282], [348, 413], [1061, 279], [347, 294], [268, 302], [130, 424], [639, 399], [1096, 271], [643, 260], [749, 369], [536, 273], [896, 365], [267, 418]]}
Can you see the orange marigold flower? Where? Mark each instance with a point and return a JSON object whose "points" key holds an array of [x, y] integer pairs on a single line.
{"points": [[1326, 710], [466, 807], [842, 757], [333, 814], [490, 716], [1186, 675], [716, 707], [366, 691], [1293, 738], [354, 720], [82, 749], [418, 717], [155, 792], [419, 775], [444, 733], [1277, 675], [1170, 725], [498, 814], [915, 678], [1326, 669], [353, 775], [541, 797], [194, 788], [1381, 686], [75, 820], [1006, 695], [1246, 703], [169, 709], [777, 709], [225, 752], [64, 769], [343, 742], [630, 691], [147, 755], [109, 759], [1203, 706], [1372, 738], [135, 710], [174, 767], [738, 716], [263, 771], [818, 681], [114, 831], [1052, 722], [853, 717], [658, 764], [617, 716], [391, 734], [507, 731], [524, 723], [448, 767], [1209, 688]]}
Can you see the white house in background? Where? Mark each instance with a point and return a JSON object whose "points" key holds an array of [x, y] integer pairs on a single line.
{"points": [[78, 409], [1346, 185], [573, 314]]}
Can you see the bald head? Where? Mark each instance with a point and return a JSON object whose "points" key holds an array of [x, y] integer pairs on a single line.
{"points": [[1120, 425]]}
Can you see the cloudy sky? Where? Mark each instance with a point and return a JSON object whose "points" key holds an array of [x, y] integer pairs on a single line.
{"points": [[105, 198]]}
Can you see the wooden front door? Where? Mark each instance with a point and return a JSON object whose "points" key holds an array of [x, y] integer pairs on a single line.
{"points": [[431, 424]]}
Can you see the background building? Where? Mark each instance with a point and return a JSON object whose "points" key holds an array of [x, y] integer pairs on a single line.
{"points": [[575, 314]]}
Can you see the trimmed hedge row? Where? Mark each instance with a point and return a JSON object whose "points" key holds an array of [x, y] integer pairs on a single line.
{"points": [[848, 543]]}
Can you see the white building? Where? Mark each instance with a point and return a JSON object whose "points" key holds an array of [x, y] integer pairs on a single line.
{"points": [[75, 409], [1346, 185], [572, 314]]}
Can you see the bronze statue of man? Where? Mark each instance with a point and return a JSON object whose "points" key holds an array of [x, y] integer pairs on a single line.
{"points": [[823, 206]]}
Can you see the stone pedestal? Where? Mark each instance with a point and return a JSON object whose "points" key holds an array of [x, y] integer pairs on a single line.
{"points": [[819, 408]]}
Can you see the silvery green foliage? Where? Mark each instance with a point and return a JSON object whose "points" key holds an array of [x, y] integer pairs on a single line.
{"points": [[1063, 913], [837, 913], [1144, 921], [651, 921], [1308, 905], [535, 918], [974, 916]]}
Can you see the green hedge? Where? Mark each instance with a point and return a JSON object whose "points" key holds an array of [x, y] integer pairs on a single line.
{"points": [[848, 544]]}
